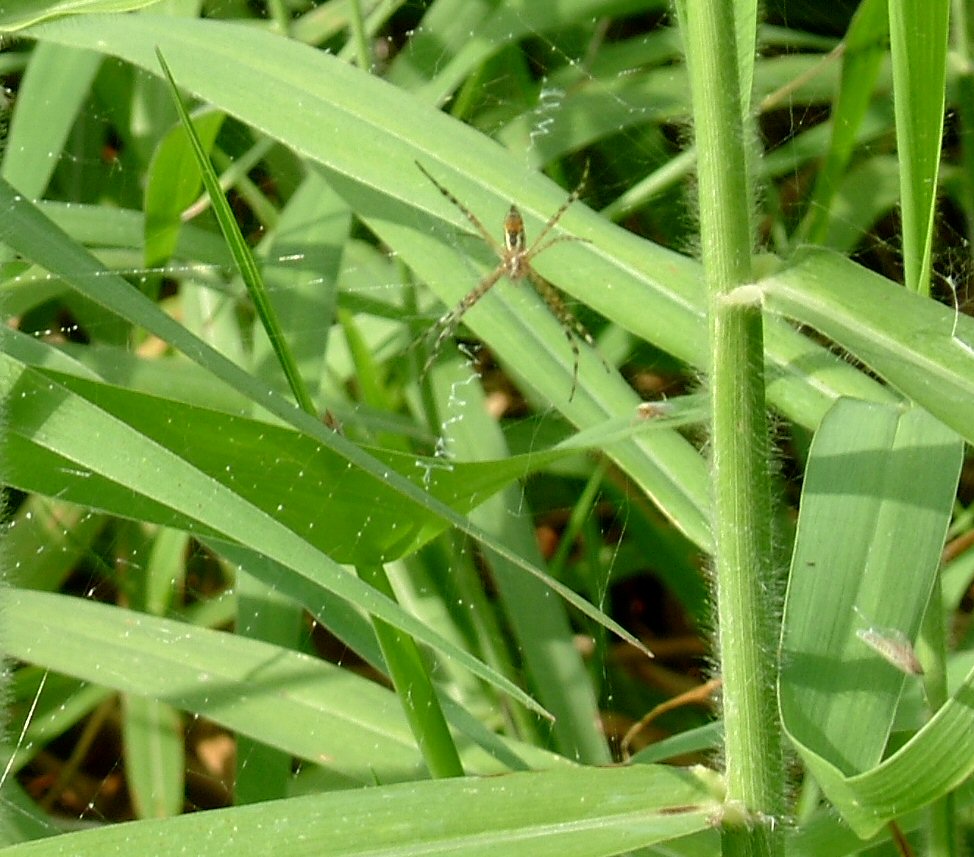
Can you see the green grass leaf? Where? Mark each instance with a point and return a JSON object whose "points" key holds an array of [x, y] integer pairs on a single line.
{"points": [[550, 814], [875, 506], [922, 348], [918, 41], [17, 14]]}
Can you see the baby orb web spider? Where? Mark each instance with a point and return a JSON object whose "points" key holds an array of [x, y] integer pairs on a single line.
{"points": [[515, 264]]}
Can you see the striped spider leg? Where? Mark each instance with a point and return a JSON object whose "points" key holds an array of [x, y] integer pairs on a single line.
{"points": [[515, 264]]}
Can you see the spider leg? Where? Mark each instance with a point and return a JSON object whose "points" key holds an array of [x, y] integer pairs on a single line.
{"points": [[533, 250], [448, 323], [558, 239], [573, 328], [466, 212]]}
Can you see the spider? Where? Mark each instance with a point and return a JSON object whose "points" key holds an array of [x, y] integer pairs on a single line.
{"points": [[515, 264]]}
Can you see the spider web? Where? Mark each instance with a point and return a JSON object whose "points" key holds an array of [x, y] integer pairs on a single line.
{"points": [[102, 556]]}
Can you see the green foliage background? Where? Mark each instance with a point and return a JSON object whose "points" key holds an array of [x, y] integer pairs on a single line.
{"points": [[163, 429]]}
